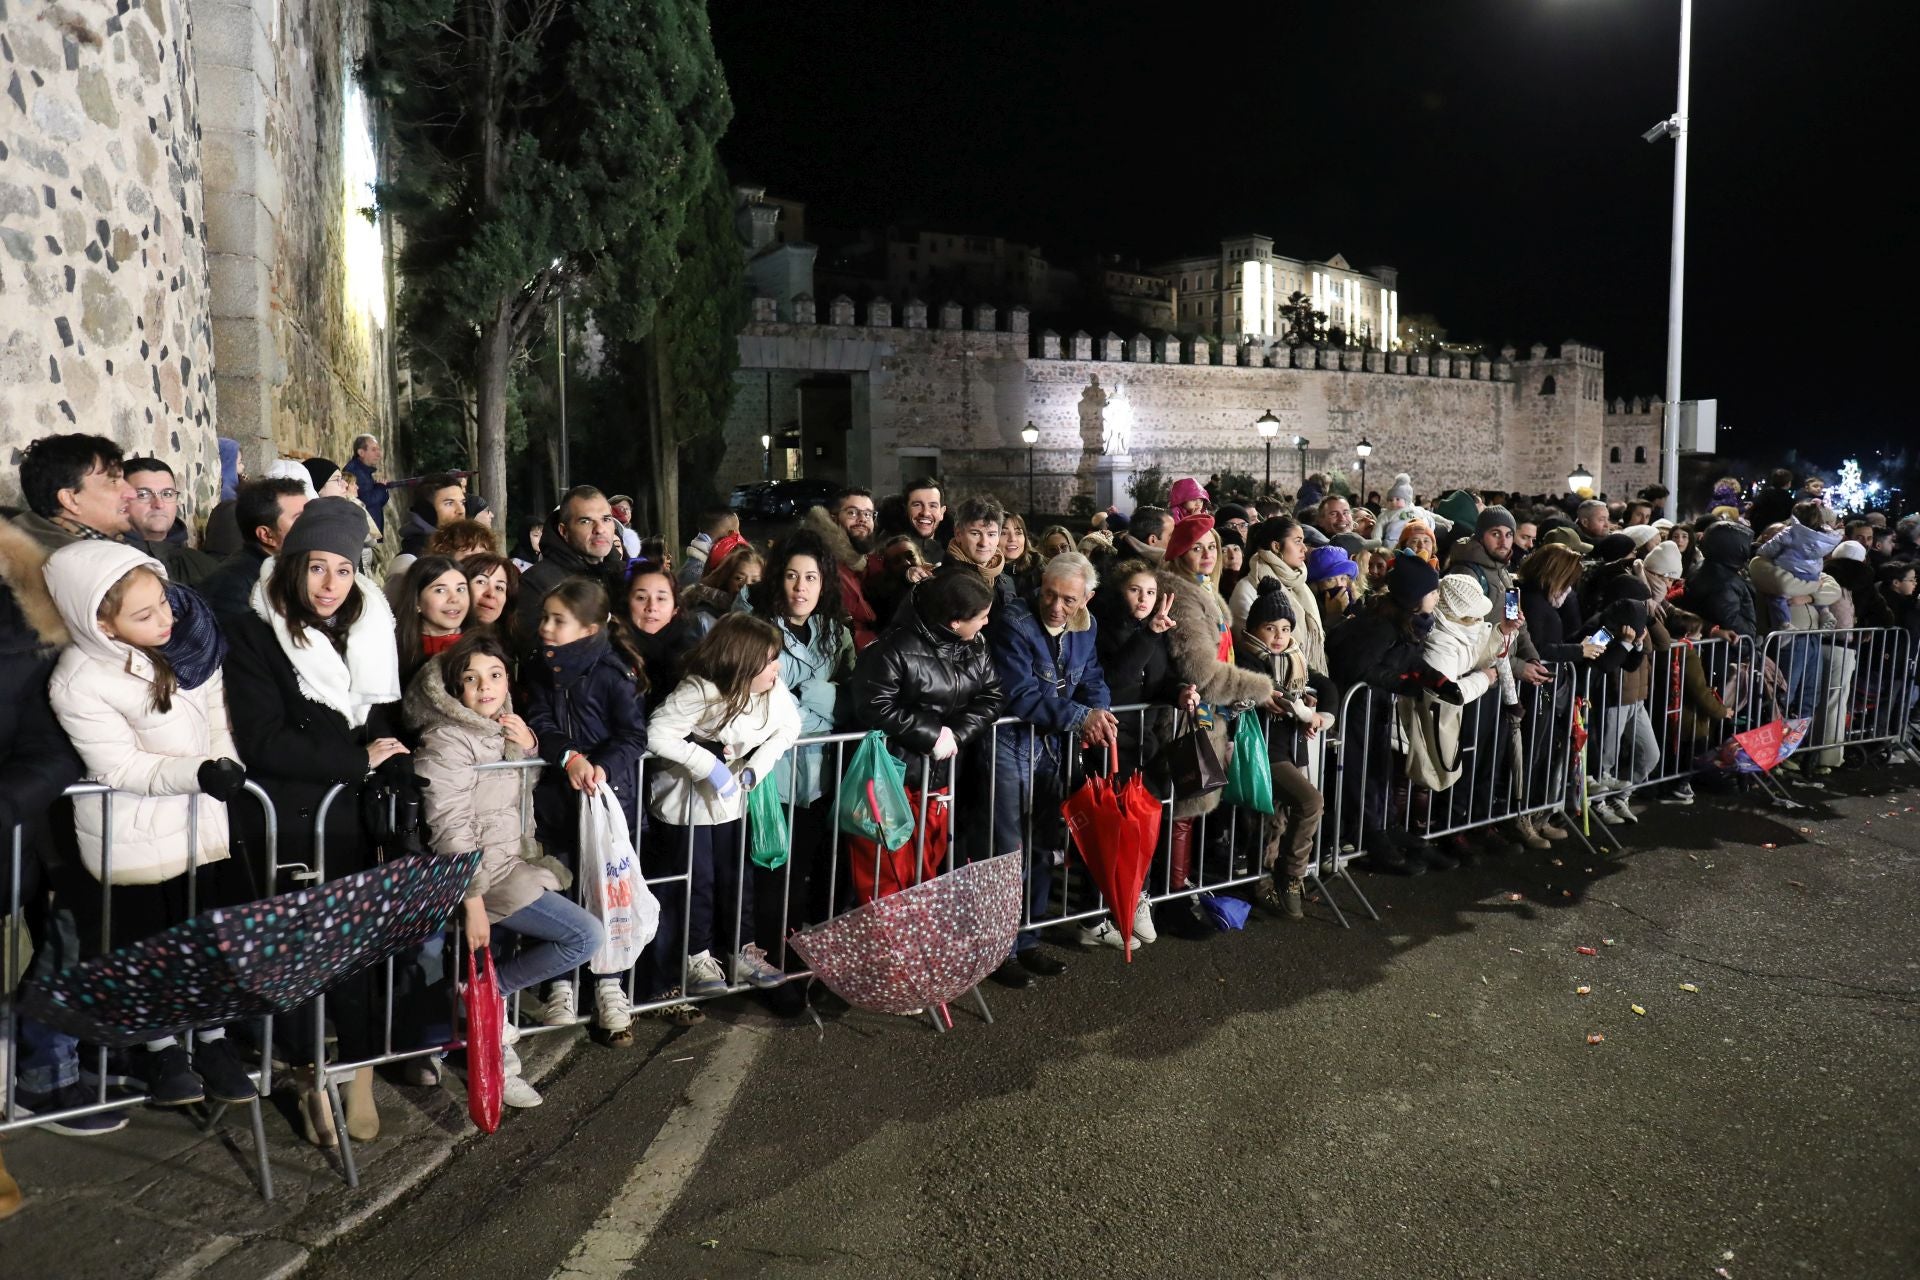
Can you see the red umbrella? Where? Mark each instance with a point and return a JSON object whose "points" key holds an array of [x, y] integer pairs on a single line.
{"points": [[1116, 830], [923, 946]]}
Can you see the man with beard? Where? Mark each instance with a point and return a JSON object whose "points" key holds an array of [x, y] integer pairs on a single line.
{"points": [[924, 508], [845, 525], [581, 539], [1335, 519]]}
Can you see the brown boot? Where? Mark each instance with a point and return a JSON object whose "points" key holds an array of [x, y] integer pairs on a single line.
{"points": [[10, 1197], [363, 1118], [1180, 854], [1548, 825], [1524, 832]]}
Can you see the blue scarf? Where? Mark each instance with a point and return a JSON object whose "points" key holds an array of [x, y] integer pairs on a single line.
{"points": [[197, 646]]}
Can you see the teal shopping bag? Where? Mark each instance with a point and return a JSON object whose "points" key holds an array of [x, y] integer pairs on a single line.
{"points": [[770, 841], [873, 798], [1249, 771]]}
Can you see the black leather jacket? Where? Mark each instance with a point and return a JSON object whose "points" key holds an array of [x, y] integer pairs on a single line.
{"points": [[918, 678]]}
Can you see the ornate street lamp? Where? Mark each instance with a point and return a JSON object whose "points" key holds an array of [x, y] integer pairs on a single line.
{"points": [[1580, 479], [1365, 450], [1268, 426], [1030, 434]]}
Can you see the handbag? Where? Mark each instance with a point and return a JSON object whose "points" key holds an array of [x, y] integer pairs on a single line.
{"points": [[611, 886], [486, 1059], [1249, 768], [770, 841], [1193, 764]]}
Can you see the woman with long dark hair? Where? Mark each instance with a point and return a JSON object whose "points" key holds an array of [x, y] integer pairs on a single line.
{"points": [[660, 631]]}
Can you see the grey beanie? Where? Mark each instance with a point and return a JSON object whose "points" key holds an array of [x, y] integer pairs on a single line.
{"points": [[1402, 490], [1494, 518], [338, 525]]}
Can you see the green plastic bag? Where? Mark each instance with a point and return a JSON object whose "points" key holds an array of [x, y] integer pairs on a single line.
{"points": [[1250, 772], [770, 841], [873, 799]]}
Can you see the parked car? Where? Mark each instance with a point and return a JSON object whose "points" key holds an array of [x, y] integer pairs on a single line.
{"points": [[750, 499], [793, 497]]}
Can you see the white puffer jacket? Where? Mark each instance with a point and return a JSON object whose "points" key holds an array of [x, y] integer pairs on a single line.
{"points": [[677, 787], [102, 690]]}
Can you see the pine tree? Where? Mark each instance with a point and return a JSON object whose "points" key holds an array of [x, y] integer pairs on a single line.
{"points": [[535, 144]]}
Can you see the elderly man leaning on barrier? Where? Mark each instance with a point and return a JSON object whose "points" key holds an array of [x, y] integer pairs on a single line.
{"points": [[1043, 651]]}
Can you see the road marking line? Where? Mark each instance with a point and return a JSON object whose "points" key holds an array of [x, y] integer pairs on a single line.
{"points": [[608, 1250]]}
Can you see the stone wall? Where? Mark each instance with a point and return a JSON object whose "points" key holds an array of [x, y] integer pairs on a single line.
{"points": [[299, 314], [1633, 444], [103, 264], [955, 399]]}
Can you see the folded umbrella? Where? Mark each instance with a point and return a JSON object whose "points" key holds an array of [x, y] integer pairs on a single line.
{"points": [[923, 946], [1116, 829], [263, 957]]}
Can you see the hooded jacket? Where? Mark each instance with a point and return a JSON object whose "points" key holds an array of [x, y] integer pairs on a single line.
{"points": [[183, 564], [918, 678], [1718, 591], [1807, 601], [582, 697], [466, 810], [37, 762], [1496, 579], [852, 566], [102, 691]]}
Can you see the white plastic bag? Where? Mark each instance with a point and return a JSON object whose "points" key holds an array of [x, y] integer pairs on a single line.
{"points": [[611, 886]]}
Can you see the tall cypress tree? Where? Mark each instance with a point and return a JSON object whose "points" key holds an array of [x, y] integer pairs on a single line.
{"points": [[535, 145]]}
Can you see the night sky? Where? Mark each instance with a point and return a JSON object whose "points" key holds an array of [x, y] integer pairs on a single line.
{"points": [[1489, 149]]}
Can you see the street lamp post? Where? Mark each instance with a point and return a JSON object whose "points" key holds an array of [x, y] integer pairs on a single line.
{"points": [[1365, 450], [1300, 443], [1580, 479], [560, 379], [766, 457], [1268, 426], [1675, 127], [1030, 434]]}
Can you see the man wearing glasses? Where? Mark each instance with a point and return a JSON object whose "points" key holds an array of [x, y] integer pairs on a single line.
{"points": [[845, 524], [155, 513]]}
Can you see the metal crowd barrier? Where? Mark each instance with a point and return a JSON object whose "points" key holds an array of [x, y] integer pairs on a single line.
{"points": [[12, 1114], [1853, 685]]}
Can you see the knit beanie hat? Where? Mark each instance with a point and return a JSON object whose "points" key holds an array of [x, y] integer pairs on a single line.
{"points": [[1411, 527], [328, 524], [1641, 534], [1494, 518], [319, 470], [1187, 531], [1231, 511], [1849, 550], [1270, 604], [1186, 489], [1615, 546], [1314, 537], [1402, 490], [1409, 581], [1330, 562], [1232, 538], [1462, 597], [1459, 507], [1665, 560], [1624, 586]]}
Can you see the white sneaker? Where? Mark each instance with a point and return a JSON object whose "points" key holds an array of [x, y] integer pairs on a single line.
{"points": [[1143, 930], [515, 1092], [1681, 795], [1623, 807], [705, 977], [612, 1011], [751, 967], [559, 1009], [509, 1061], [1603, 783], [1104, 934], [509, 1029]]}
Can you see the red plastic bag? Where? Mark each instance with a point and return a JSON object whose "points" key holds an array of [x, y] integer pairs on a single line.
{"points": [[486, 1064]]}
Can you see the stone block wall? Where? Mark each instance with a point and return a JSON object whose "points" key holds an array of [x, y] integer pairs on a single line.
{"points": [[103, 259], [1633, 430]]}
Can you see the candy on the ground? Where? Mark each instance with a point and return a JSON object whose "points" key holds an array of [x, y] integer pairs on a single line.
{"points": [[1688, 986], [1586, 951], [1595, 1038], [1637, 1009], [1606, 942], [1581, 991]]}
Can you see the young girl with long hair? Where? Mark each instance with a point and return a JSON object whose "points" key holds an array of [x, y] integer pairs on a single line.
{"points": [[434, 600], [719, 734], [586, 705], [718, 591], [139, 693]]}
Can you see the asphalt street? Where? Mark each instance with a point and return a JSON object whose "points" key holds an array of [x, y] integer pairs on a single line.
{"points": [[1414, 1097]]}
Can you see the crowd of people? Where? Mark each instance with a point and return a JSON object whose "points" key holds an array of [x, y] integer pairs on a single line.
{"points": [[308, 639]]}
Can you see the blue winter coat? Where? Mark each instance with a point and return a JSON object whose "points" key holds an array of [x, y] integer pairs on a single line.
{"points": [[1055, 697], [813, 672], [582, 697]]}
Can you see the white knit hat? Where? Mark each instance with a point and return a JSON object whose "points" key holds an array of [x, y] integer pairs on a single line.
{"points": [[1664, 560], [1461, 597], [1849, 550], [1641, 534]]}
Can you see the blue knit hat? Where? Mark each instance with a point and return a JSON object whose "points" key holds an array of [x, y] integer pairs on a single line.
{"points": [[1330, 562]]}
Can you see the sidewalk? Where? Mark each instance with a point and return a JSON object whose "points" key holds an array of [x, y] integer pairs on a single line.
{"points": [[161, 1199]]}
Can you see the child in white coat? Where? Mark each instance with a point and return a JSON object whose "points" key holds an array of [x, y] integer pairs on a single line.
{"points": [[718, 735], [140, 694]]}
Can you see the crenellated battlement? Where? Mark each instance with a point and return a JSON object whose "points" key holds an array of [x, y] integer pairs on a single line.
{"points": [[951, 322]]}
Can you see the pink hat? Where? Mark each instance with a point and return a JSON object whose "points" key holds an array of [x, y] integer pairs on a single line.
{"points": [[1187, 489]]}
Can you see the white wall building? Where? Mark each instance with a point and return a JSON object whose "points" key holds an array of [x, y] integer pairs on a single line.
{"points": [[1238, 292]]}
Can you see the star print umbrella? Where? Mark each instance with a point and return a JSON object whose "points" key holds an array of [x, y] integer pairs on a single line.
{"points": [[262, 957], [923, 946]]}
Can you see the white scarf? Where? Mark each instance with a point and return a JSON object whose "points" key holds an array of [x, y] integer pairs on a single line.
{"points": [[353, 684]]}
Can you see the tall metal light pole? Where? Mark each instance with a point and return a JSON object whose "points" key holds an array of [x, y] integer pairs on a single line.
{"points": [[1675, 127], [1365, 450], [1030, 434], [1268, 426], [560, 348]]}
